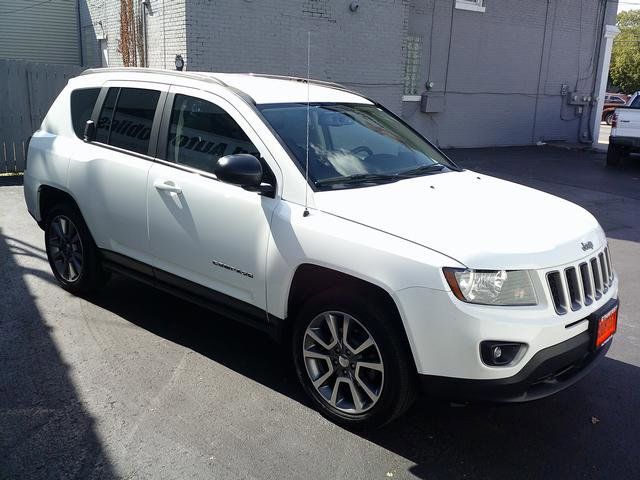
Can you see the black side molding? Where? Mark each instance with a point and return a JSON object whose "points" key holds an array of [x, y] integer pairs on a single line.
{"points": [[195, 293]]}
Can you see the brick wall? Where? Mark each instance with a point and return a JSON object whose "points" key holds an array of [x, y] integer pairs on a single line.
{"points": [[497, 75], [166, 31], [362, 50]]}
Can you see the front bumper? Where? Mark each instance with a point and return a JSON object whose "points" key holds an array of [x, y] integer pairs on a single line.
{"points": [[549, 371], [631, 142]]}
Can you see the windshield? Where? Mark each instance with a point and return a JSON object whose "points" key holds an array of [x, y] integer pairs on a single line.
{"points": [[353, 144]]}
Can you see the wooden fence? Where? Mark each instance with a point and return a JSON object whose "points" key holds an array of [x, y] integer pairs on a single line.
{"points": [[27, 90]]}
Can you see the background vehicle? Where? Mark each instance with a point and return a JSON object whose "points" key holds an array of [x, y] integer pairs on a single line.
{"points": [[611, 102], [625, 131], [316, 215]]}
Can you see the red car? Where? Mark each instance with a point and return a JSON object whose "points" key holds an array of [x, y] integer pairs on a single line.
{"points": [[611, 102]]}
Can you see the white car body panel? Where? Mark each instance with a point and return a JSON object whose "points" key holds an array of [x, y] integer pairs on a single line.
{"points": [[628, 123], [396, 236], [478, 220]]}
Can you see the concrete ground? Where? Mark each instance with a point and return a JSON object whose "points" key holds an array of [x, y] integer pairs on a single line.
{"points": [[131, 383], [603, 138]]}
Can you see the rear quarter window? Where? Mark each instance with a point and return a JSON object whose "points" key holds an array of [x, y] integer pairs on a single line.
{"points": [[82, 103]]}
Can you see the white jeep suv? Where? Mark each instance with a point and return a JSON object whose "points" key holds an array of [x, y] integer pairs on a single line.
{"points": [[316, 215]]}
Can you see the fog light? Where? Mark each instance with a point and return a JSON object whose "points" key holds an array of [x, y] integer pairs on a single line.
{"points": [[499, 353]]}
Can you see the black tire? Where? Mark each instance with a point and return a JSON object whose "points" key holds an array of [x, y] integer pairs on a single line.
{"points": [[91, 275], [608, 118], [399, 386], [614, 155]]}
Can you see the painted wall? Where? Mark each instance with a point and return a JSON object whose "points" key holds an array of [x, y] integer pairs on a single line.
{"points": [[362, 50], [39, 31], [497, 75], [501, 72]]}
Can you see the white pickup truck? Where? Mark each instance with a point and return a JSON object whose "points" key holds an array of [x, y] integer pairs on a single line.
{"points": [[625, 131]]}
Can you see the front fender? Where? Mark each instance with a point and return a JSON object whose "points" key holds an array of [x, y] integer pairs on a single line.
{"points": [[325, 240]]}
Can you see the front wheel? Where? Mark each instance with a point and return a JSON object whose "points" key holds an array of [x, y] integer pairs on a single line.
{"points": [[351, 360]]}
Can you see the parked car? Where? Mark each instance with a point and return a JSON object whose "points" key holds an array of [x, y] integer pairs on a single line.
{"points": [[611, 102], [625, 131], [319, 217]]}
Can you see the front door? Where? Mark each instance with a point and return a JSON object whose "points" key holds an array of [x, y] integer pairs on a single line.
{"points": [[201, 229]]}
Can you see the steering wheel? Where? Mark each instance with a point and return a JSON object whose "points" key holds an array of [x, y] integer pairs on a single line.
{"points": [[362, 148]]}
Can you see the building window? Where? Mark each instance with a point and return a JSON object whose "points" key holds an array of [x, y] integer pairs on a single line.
{"points": [[473, 5], [412, 52]]}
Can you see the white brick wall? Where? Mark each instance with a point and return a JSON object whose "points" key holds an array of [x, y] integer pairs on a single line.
{"points": [[166, 31]]}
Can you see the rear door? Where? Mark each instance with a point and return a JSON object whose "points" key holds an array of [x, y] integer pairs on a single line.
{"points": [[109, 176], [201, 229]]}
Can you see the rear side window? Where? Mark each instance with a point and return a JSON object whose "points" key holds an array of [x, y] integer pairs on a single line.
{"points": [[127, 117], [201, 132], [82, 103], [106, 115]]}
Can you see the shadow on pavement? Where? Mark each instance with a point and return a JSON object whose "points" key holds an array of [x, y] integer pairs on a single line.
{"points": [[45, 431], [551, 438]]}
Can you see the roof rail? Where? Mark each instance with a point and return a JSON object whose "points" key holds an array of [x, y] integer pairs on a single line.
{"points": [[312, 81], [157, 71], [201, 76]]}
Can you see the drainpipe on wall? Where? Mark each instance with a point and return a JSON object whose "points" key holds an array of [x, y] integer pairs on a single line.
{"points": [[79, 33], [610, 33], [143, 11]]}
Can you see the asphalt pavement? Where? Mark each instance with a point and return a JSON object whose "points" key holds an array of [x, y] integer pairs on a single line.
{"points": [[132, 383]]}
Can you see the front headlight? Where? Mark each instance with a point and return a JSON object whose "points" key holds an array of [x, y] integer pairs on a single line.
{"points": [[491, 287]]}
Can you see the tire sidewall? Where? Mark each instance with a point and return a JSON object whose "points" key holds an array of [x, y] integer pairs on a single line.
{"points": [[376, 320], [89, 260]]}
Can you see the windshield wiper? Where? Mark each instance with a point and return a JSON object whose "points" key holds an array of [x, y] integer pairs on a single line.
{"points": [[422, 170], [358, 178]]}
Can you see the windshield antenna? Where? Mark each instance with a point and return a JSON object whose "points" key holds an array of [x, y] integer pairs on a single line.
{"points": [[306, 167]]}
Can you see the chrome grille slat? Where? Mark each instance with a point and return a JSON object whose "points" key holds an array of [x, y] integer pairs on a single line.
{"points": [[608, 262], [581, 284], [557, 292], [605, 273], [597, 276], [607, 256], [573, 288], [587, 283]]}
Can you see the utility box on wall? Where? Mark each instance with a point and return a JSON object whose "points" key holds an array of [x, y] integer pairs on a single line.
{"points": [[432, 102]]}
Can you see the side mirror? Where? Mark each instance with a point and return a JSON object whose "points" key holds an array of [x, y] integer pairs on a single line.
{"points": [[242, 169], [89, 131]]}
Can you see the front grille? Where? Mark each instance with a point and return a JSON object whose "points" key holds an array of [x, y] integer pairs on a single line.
{"points": [[580, 285]]}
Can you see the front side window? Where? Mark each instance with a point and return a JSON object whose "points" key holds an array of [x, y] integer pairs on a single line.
{"points": [[353, 144], [127, 117], [82, 103], [201, 132]]}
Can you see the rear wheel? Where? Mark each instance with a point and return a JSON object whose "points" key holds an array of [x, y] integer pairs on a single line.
{"points": [[614, 155], [351, 360], [608, 118], [72, 254]]}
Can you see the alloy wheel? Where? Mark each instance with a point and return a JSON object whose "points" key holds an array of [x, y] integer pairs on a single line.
{"points": [[343, 362], [65, 248]]}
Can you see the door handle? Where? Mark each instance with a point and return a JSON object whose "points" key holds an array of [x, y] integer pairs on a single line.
{"points": [[167, 186]]}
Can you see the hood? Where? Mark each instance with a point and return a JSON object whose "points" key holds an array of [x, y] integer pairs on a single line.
{"points": [[480, 221]]}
